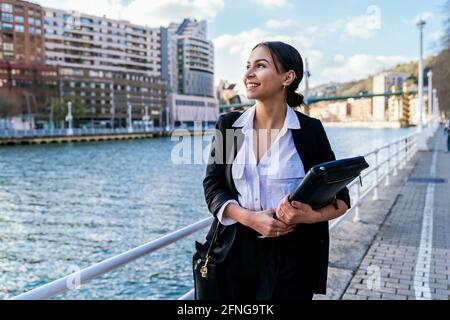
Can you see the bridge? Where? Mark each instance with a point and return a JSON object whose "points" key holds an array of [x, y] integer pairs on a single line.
{"points": [[312, 100]]}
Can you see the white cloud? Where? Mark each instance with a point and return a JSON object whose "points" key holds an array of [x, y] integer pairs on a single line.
{"points": [[155, 13], [335, 26], [339, 58], [232, 52], [272, 3], [358, 66], [365, 26], [312, 29], [278, 24]]}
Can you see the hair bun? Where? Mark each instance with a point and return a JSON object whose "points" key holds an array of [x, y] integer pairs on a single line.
{"points": [[294, 99]]}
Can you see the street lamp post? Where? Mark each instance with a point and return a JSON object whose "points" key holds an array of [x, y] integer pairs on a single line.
{"points": [[167, 117], [69, 118], [430, 103], [113, 109], [130, 118], [145, 118], [422, 144]]}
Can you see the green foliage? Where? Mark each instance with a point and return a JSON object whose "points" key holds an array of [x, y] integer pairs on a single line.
{"points": [[441, 80], [365, 85], [60, 109]]}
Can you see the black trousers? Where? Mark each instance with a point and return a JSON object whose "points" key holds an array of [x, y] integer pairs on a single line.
{"points": [[265, 269]]}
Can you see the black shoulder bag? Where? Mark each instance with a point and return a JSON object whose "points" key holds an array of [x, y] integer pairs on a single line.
{"points": [[205, 268]]}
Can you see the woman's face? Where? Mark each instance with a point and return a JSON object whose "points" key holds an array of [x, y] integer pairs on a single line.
{"points": [[262, 79]]}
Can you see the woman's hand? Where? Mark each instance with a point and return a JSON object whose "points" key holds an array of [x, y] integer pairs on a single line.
{"points": [[296, 212], [265, 223]]}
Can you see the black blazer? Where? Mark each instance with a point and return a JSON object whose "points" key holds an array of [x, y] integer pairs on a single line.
{"points": [[313, 148]]}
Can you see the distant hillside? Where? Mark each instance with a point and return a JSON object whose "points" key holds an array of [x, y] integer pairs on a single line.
{"points": [[365, 85]]}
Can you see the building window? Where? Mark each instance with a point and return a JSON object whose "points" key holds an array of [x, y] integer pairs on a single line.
{"points": [[86, 21], [19, 28], [19, 19], [6, 7], [7, 17], [38, 22], [30, 12], [7, 26], [8, 47], [31, 20], [31, 29]]}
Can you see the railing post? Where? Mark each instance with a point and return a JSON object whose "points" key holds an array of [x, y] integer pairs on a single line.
{"points": [[388, 165], [407, 151], [375, 192], [403, 158], [396, 160], [416, 147], [410, 149]]}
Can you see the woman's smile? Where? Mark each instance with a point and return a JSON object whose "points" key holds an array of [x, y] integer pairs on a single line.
{"points": [[251, 86]]}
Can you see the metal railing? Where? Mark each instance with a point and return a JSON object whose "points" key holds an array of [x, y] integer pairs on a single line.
{"points": [[10, 133], [63, 284], [405, 148]]}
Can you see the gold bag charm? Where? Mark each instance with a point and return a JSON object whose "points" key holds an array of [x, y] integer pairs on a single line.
{"points": [[204, 268]]}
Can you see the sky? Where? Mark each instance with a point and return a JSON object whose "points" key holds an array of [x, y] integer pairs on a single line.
{"points": [[342, 40]]}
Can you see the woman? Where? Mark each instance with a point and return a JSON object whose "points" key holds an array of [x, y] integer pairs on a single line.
{"points": [[269, 248]]}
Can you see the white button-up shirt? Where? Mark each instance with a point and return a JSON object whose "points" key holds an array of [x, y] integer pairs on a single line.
{"points": [[262, 186]]}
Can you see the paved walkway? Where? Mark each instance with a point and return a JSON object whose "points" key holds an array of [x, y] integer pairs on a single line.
{"points": [[401, 247]]}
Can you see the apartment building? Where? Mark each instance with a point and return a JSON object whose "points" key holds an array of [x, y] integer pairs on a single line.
{"points": [[107, 64], [384, 82], [22, 39], [110, 65], [193, 76], [26, 83]]}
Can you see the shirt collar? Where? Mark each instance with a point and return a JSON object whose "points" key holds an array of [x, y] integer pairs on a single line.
{"points": [[246, 120]]}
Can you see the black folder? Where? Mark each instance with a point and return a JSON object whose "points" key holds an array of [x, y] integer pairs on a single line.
{"points": [[323, 181]]}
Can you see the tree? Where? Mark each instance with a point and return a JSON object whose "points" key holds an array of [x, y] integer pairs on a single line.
{"points": [[60, 109], [441, 68], [446, 39]]}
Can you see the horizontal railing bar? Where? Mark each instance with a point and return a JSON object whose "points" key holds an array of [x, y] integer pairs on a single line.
{"points": [[407, 137], [190, 295], [61, 285]]}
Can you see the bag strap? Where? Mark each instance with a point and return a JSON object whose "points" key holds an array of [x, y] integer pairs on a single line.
{"points": [[214, 239]]}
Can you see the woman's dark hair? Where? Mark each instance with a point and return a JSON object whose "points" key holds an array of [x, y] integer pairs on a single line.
{"points": [[286, 58]]}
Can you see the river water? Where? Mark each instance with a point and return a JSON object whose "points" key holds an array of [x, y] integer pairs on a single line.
{"points": [[68, 206]]}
